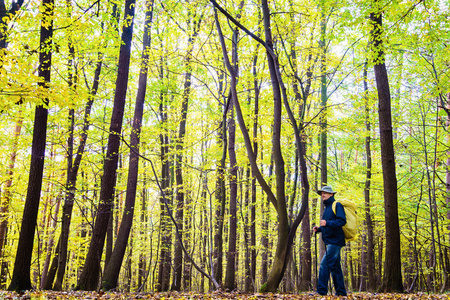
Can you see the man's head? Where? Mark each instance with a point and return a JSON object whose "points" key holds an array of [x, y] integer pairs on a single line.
{"points": [[326, 192]]}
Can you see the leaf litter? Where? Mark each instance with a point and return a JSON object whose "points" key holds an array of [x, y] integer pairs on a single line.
{"points": [[72, 295]]}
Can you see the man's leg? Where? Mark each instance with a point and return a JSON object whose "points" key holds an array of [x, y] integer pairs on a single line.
{"points": [[338, 276], [324, 271]]}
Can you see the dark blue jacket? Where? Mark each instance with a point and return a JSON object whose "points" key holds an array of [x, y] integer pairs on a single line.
{"points": [[332, 233]]}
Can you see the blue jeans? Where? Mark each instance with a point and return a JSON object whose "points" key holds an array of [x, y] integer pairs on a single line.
{"points": [[331, 263]]}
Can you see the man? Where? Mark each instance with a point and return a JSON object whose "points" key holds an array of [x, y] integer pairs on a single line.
{"points": [[334, 239]]}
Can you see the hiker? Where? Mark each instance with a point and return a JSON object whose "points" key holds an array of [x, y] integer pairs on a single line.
{"points": [[334, 239]]}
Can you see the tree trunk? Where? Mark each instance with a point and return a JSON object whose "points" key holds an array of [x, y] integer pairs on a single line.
{"points": [[370, 256], [90, 275], [285, 233], [21, 275], [392, 279], [447, 184], [265, 233], [178, 254], [253, 181], [220, 192], [230, 273], [165, 225], [187, 268], [50, 243], [7, 196], [5, 18], [142, 265], [245, 210], [112, 269]]}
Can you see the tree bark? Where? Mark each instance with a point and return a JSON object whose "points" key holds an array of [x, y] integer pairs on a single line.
{"points": [[89, 277], [21, 275], [392, 279]]}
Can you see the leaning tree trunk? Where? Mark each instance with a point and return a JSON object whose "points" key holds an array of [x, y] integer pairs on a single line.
{"points": [[392, 279], [21, 275], [112, 269], [89, 277]]}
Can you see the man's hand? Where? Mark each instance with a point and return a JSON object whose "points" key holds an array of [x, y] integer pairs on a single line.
{"points": [[323, 223], [315, 229]]}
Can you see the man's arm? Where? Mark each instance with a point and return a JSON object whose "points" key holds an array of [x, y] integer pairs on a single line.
{"points": [[340, 217]]}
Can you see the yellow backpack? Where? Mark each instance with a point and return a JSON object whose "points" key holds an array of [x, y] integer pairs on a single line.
{"points": [[350, 228]]}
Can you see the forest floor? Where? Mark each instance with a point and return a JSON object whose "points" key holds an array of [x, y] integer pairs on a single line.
{"points": [[194, 296]]}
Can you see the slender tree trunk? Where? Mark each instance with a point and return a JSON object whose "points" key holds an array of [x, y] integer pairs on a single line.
{"points": [[165, 226], [178, 255], [323, 116], [253, 184], [187, 268], [252, 263], [51, 233], [90, 275], [447, 184], [5, 18], [265, 232], [7, 196], [142, 265], [370, 256], [323, 100], [230, 273], [21, 275], [112, 269], [245, 209], [220, 192], [392, 279]]}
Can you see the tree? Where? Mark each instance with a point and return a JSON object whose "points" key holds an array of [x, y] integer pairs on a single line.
{"points": [[392, 279], [89, 277], [21, 275], [112, 269], [286, 232], [7, 196], [180, 190], [369, 255], [6, 16]]}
